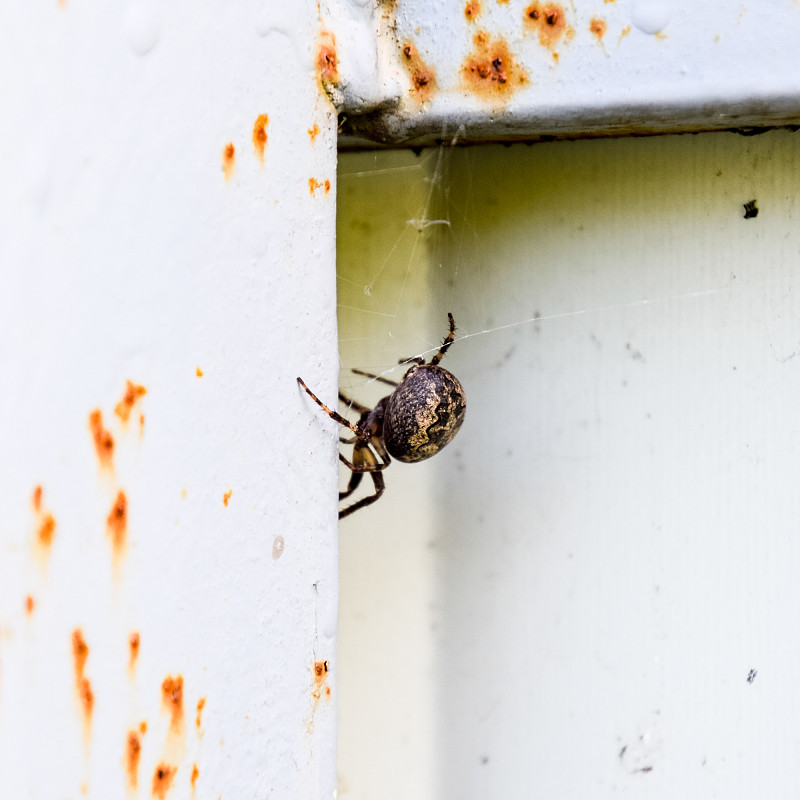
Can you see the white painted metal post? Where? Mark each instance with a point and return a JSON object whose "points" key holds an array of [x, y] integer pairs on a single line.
{"points": [[167, 529]]}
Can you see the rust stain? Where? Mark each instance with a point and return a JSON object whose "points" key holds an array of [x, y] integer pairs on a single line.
{"points": [[598, 27], [37, 498], [80, 652], [195, 776], [423, 77], [321, 669], [133, 752], [623, 33], [313, 185], [132, 393], [227, 496], [29, 604], [162, 779], [134, 641], [103, 440], [228, 160], [491, 70], [172, 699], [549, 21], [46, 530], [327, 60], [143, 727], [327, 185], [472, 9], [200, 706], [313, 131], [260, 135], [199, 372], [117, 522]]}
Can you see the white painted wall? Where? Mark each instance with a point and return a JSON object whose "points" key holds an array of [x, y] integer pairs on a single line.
{"points": [[569, 600], [128, 253]]}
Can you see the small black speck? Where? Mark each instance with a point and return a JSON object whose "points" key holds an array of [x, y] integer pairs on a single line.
{"points": [[750, 209], [751, 676]]}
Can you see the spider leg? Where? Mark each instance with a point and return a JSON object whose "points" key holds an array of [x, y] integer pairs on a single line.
{"points": [[448, 340], [377, 479], [375, 377], [331, 413]]}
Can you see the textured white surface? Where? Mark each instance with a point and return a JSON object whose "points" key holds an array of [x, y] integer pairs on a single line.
{"points": [[128, 253], [566, 68], [569, 600]]}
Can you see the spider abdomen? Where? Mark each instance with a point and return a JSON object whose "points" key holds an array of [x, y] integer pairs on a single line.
{"points": [[423, 413]]}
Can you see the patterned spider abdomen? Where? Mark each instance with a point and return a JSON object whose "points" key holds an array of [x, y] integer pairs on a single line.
{"points": [[423, 413]]}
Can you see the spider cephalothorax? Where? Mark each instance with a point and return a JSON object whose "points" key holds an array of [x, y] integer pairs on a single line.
{"points": [[419, 418]]}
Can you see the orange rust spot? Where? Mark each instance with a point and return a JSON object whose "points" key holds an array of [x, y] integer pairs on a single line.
{"points": [[327, 691], [200, 705], [37, 498], [227, 496], [195, 776], [80, 652], [491, 70], [86, 696], [172, 698], [260, 135], [423, 77], [133, 643], [143, 727], [228, 160], [313, 185], [103, 440], [162, 779], [117, 521], [548, 19], [199, 372], [327, 61], [598, 28], [46, 530], [313, 131], [133, 752], [623, 33], [472, 9], [132, 393], [327, 185], [29, 605]]}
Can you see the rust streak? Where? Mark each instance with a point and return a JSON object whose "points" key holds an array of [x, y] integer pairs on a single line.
{"points": [[423, 77], [46, 530], [200, 706], [260, 135], [117, 522], [29, 604], [327, 60], [172, 698], [37, 498], [134, 641], [227, 496], [133, 752], [162, 779], [472, 10], [598, 27], [313, 131], [132, 393], [491, 70], [195, 776], [228, 160], [103, 440], [80, 652], [548, 20]]}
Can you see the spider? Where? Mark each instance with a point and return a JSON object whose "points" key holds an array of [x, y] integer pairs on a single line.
{"points": [[421, 416]]}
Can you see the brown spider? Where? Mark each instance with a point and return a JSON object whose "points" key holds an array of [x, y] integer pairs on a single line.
{"points": [[421, 416]]}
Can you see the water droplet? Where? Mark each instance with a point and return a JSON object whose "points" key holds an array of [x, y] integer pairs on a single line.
{"points": [[142, 26], [651, 16]]}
